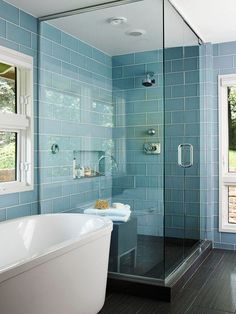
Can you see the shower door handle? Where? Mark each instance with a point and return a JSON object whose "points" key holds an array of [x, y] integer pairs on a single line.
{"points": [[186, 147]]}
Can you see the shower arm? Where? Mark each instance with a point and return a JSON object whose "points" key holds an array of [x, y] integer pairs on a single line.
{"points": [[112, 159]]}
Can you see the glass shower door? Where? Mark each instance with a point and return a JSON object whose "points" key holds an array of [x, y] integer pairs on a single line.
{"points": [[182, 139]]}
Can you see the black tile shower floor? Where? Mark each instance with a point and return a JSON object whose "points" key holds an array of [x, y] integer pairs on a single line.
{"points": [[211, 290], [150, 256]]}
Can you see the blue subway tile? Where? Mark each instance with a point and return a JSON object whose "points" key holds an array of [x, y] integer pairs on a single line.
{"points": [[28, 197], [78, 60], [136, 94], [134, 70], [61, 204], [156, 67], [173, 53], [228, 48], [2, 28], [178, 91], [174, 104], [99, 56], [177, 65], [191, 51], [191, 64], [117, 72], [18, 211], [69, 41], [223, 62], [9, 12], [154, 93], [29, 22], [174, 78], [9, 200], [126, 83], [61, 53], [51, 64], [69, 70], [123, 60], [18, 35], [146, 56], [45, 46], [85, 49], [192, 77], [136, 119], [136, 169], [9, 44], [51, 32], [34, 41], [191, 90]]}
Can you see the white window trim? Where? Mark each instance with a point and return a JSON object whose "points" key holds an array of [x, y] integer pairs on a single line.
{"points": [[22, 123], [225, 177]]}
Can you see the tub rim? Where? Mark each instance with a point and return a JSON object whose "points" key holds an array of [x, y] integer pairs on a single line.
{"points": [[52, 252]]}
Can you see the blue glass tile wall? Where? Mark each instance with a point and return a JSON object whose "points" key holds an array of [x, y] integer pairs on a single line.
{"points": [[223, 57], [136, 110], [182, 118], [19, 31], [75, 112]]}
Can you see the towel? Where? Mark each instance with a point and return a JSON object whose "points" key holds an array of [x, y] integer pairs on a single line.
{"points": [[108, 212], [119, 218]]}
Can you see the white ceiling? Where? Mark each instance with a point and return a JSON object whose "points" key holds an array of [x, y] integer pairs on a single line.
{"points": [[44, 7], [213, 20], [93, 28]]}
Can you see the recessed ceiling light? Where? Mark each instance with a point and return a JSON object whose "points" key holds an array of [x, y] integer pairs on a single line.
{"points": [[117, 20], [136, 32]]}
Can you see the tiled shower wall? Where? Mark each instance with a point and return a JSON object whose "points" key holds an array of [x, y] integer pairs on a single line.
{"points": [[138, 109], [76, 111], [182, 117], [18, 31]]}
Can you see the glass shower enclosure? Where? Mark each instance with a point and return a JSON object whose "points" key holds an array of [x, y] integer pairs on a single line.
{"points": [[120, 99]]}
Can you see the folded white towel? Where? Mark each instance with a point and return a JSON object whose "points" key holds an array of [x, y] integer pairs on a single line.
{"points": [[108, 212], [119, 218], [120, 206]]}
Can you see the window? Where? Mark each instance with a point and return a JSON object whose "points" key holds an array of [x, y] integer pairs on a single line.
{"points": [[227, 156], [16, 121]]}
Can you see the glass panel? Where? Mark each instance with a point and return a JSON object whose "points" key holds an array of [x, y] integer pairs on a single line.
{"points": [[232, 204], [182, 116], [7, 88], [117, 113], [232, 128], [7, 156]]}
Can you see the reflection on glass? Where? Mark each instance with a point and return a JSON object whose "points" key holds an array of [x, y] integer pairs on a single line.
{"points": [[232, 204], [7, 156], [232, 128], [7, 88]]}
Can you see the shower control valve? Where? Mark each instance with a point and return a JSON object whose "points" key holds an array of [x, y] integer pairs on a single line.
{"points": [[152, 148]]}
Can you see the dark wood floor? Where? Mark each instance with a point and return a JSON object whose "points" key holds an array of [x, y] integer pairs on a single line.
{"points": [[211, 290]]}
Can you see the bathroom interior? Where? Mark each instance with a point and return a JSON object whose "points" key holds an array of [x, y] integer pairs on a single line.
{"points": [[124, 115]]}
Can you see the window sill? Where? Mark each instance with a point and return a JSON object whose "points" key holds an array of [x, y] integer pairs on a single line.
{"points": [[15, 188], [231, 228]]}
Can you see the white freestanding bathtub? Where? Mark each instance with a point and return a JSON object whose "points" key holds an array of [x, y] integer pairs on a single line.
{"points": [[54, 264]]}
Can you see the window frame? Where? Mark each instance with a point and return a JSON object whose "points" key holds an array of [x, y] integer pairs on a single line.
{"points": [[226, 178], [21, 122]]}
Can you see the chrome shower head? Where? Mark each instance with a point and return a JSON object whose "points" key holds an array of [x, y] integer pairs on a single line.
{"points": [[149, 80]]}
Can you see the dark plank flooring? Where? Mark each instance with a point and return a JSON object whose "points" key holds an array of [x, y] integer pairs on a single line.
{"points": [[211, 290]]}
